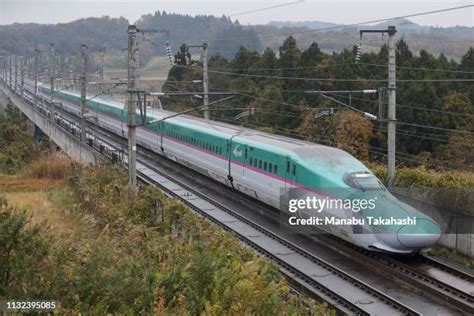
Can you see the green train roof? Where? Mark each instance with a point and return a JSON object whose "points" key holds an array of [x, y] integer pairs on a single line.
{"points": [[326, 159]]}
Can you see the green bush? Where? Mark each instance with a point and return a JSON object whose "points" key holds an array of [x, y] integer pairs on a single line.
{"points": [[24, 253], [422, 177], [17, 146]]}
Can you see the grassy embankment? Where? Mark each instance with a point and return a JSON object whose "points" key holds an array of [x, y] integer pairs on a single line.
{"points": [[152, 74]]}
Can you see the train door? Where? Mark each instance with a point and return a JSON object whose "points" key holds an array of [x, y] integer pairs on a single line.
{"points": [[246, 159], [290, 172]]}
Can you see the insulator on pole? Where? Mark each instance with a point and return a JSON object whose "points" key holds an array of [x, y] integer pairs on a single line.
{"points": [[358, 53]]}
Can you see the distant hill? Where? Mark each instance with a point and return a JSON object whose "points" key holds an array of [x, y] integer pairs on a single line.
{"points": [[223, 35], [95, 32], [451, 41], [21, 39]]}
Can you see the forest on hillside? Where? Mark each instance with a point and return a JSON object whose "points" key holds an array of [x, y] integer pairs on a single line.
{"points": [[435, 110], [223, 35]]}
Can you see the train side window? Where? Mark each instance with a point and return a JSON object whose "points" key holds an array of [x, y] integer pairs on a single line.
{"points": [[294, 169], [270, 167], [259, 164], [275, 169], [255, 163], [251, 160], [265, 165], [287, 167]]}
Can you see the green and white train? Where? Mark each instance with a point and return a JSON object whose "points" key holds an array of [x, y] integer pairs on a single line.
{"points": [[265, 167]]}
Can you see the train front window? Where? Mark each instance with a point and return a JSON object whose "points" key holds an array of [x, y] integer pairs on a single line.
{"points": [[364, 181]]}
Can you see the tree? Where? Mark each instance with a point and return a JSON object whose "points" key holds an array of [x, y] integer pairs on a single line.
{"points": [[467, 64], [290, 56], [352, 133], [459, 103]]}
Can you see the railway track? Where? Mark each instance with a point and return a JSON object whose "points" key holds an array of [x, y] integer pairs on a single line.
{"points": [[304, 281], [457, 291], [449, 268]]}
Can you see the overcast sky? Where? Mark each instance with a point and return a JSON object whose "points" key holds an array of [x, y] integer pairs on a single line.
{"points": [[338, 11]]}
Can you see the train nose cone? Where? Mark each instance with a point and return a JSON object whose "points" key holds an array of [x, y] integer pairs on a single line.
{"points": [[418, 240], [425, 234]]}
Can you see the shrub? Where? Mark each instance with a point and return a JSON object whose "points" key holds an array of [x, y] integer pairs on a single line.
{"points": [[23, 255], [49, 165]]}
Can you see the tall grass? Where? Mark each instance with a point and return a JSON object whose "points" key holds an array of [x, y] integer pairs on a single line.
{"points": [[55, 166]]}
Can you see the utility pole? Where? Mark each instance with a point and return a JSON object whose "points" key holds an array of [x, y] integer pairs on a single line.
{"points": [[205, 75], [83, 91], [10, 72], [392, 95], [4, 75], [132, 62], [15, 87], [381, 97], [35, 74], [102, 57], [51, 80], [74, 74], [132, 103], [205, 81], [22, 76]]}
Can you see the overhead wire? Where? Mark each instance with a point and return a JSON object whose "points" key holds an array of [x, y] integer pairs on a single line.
{"points": [[267, 8], [403, 105], [350, 25], [324, 79]]}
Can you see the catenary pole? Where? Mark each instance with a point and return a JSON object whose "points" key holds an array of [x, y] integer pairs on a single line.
{"points": [[83, 91], [205, 80], [392, 100], [51, 80], [22, 76], [392, 95], [35, 74], [131, 104]]}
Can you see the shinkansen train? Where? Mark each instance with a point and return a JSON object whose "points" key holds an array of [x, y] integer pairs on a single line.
{"points": [[265, 167]]}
